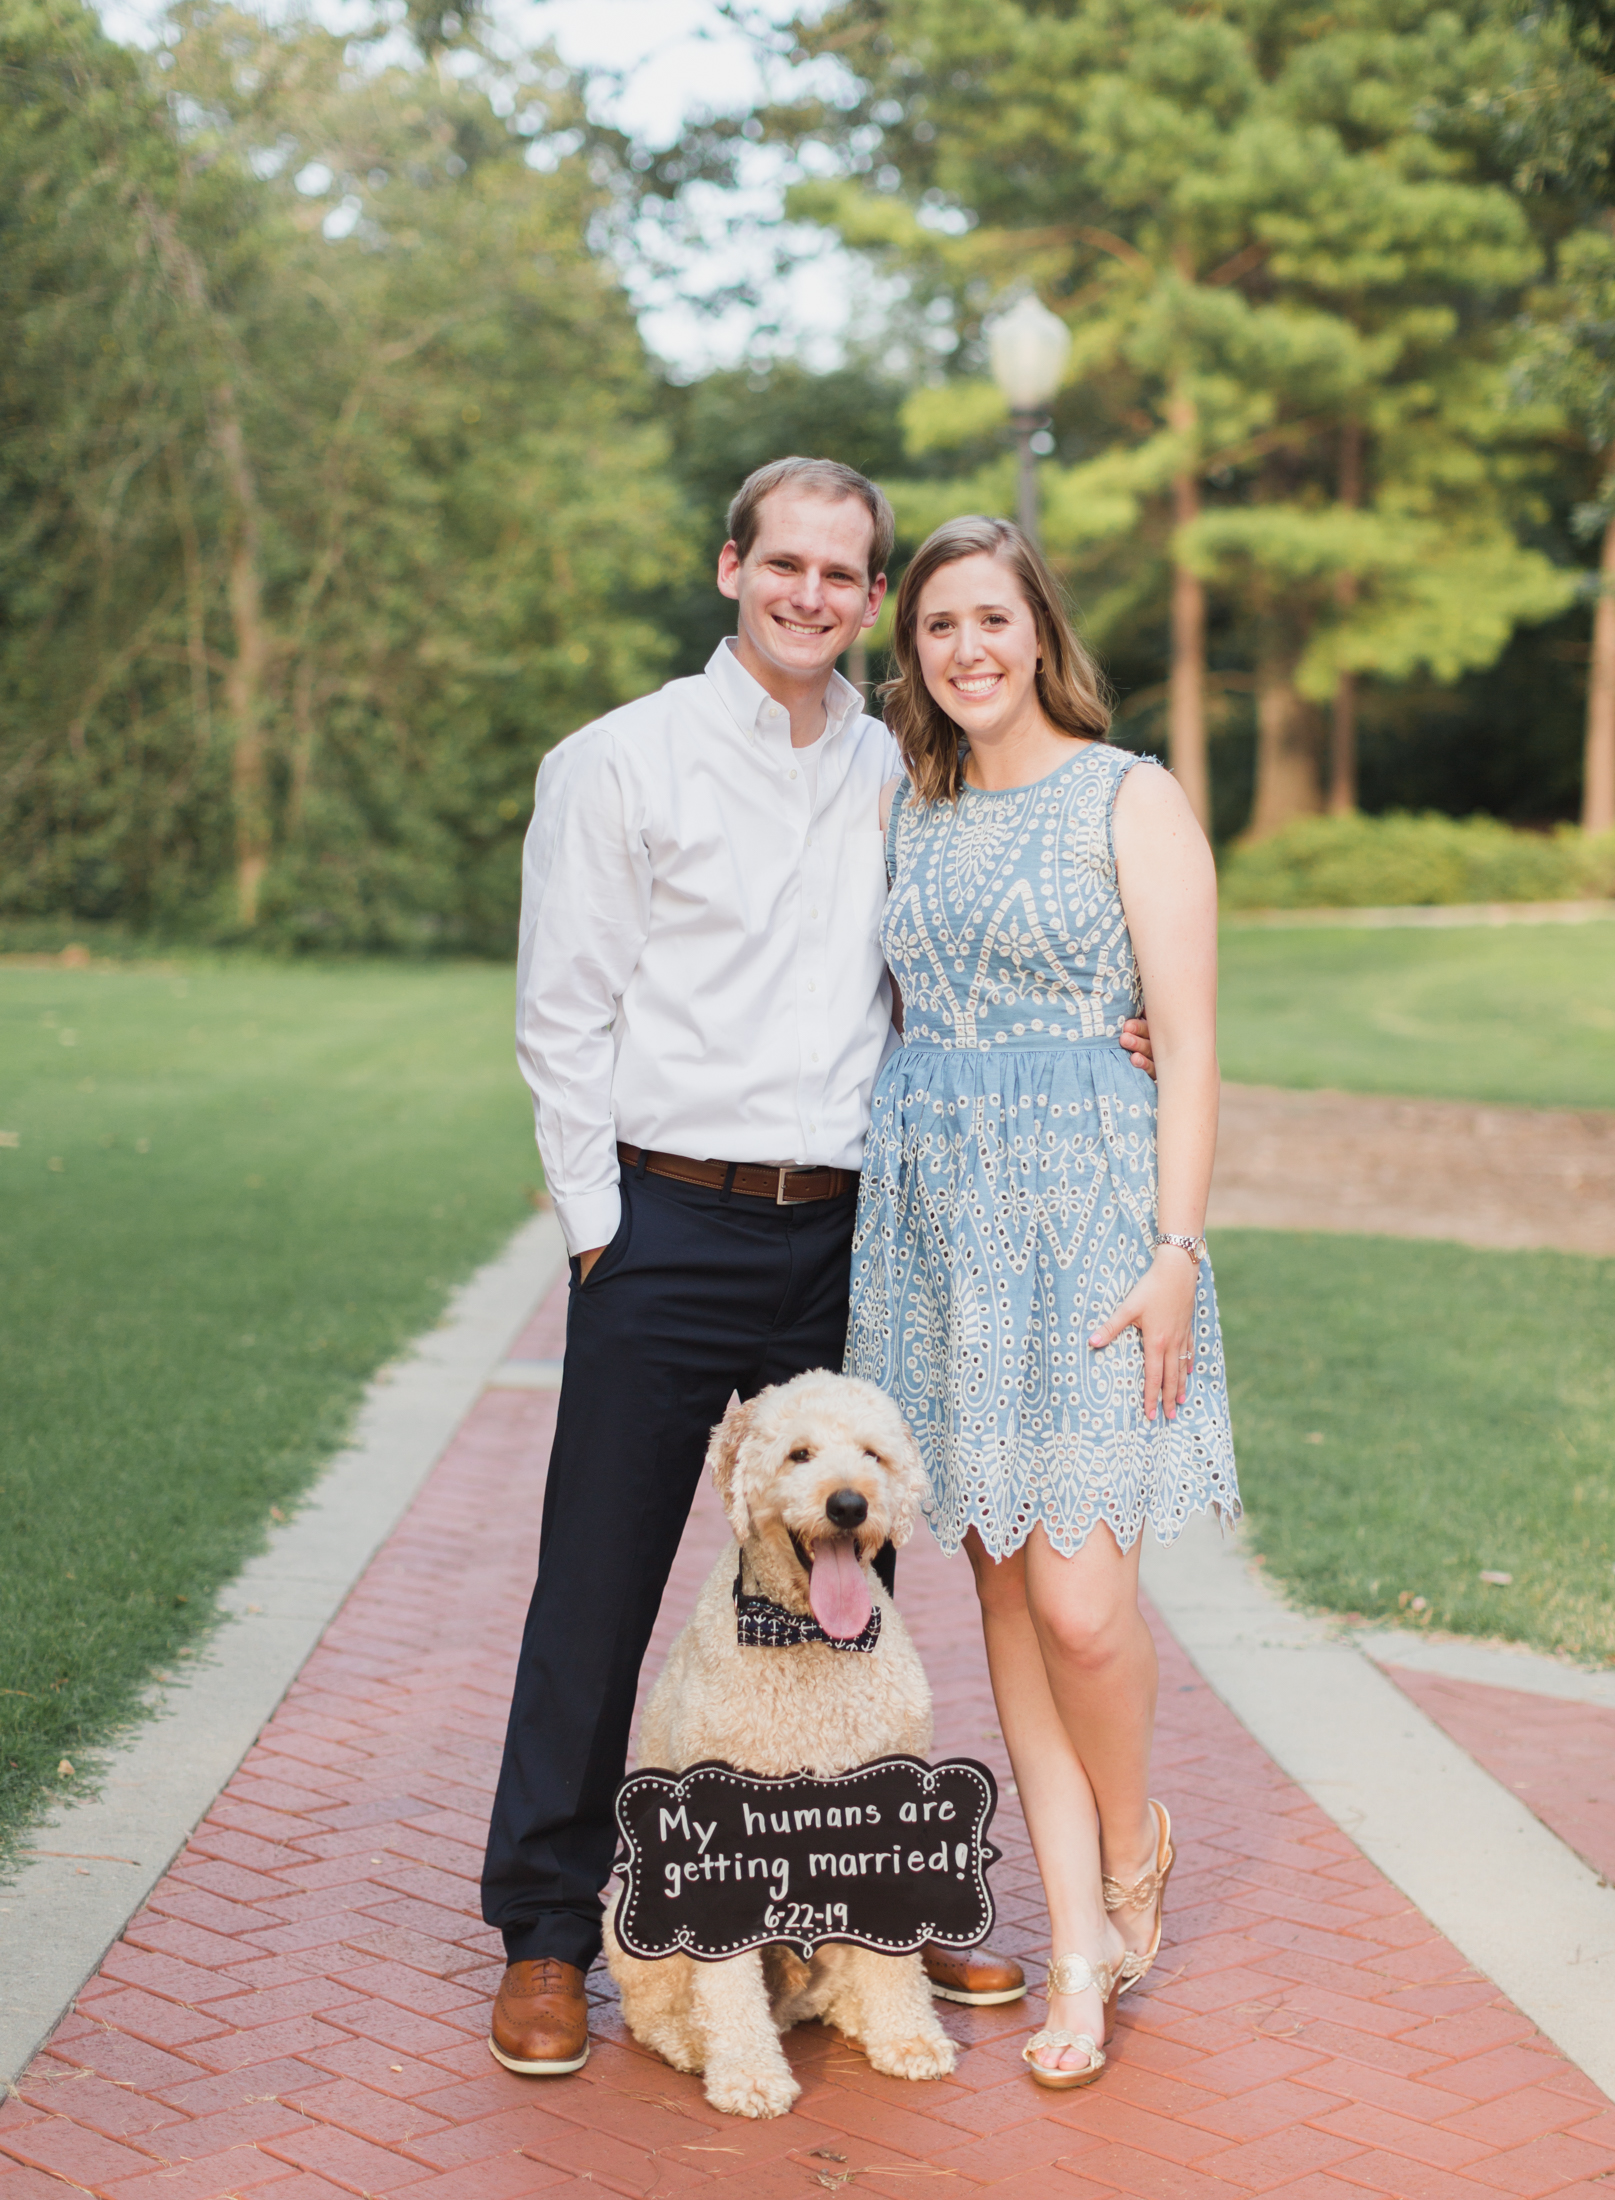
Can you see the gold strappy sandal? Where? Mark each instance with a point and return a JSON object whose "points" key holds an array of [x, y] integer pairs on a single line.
{"points": [[1151, 1888], [1074, 1975]]}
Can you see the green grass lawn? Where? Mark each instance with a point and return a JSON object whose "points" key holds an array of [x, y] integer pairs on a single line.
{"points": [[1409, 1415], [236, 1188], [1523, 1013]]}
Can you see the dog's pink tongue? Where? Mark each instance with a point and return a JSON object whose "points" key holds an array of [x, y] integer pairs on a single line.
{"points": [[838, 1591]]}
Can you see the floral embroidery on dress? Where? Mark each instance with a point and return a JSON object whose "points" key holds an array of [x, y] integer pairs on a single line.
{"points": [[1008, 1196]]}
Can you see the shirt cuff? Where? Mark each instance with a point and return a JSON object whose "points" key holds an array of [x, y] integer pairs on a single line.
{"points": [[588, 1219]]}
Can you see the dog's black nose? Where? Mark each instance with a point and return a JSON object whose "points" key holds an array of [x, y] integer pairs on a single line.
{"points": [[847, 1508]]}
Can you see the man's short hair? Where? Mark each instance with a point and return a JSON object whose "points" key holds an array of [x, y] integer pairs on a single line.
{"points": [[821, 477]]}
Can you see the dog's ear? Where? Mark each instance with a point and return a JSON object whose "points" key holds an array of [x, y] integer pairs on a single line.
{"points": [[723, 1464], [909, 1472]]}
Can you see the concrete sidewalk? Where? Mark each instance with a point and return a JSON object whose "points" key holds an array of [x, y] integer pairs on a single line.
{"points": [[300, 2008]]}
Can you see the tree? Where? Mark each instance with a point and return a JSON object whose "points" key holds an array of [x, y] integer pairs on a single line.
{"points": [[101, 578], [1569, 358], [1557, 119], [362, 507], [1288, 291]]}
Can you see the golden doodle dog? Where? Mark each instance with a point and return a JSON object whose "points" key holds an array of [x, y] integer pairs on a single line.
{"points": [[814, 1476]]}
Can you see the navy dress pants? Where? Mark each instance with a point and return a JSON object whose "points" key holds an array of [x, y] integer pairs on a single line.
{"points": [[695, 1297]]}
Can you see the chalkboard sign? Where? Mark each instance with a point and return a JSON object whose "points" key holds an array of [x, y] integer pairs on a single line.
{"points": [[889, 1856]]}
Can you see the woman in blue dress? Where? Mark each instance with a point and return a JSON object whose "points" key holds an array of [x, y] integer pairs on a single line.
{"points": [[1030, 1280]]}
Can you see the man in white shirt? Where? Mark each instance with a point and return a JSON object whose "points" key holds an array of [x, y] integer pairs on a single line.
{"points": [[702, 1011]]}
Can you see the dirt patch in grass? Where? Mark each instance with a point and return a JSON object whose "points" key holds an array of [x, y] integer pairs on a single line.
{"points": [[1488, 1175]]}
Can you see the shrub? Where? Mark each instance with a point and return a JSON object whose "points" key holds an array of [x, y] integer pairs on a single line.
{"points": [[1383, 862]]}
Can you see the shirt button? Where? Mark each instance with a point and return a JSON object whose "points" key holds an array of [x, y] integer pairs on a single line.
{"points": [[813, 912], [812, 988], [793, 771], [815, 1057]]}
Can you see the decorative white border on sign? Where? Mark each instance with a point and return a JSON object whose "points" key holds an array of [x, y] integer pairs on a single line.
{"points": [[678, 1789]]}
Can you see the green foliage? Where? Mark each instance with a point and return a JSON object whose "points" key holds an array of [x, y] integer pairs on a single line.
{"points": [[237, 1189], [1522, 1013], [1396, 860], [1409, 1416], [334, 484], [1438, 592], [319, 389], [1278, 234], [947, 415], [97, 373], [1567, 355], [1553, 111]]}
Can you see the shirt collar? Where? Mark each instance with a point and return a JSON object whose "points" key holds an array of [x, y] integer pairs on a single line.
{"points": [[755, 711]]}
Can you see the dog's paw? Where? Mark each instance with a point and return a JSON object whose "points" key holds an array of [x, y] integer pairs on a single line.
{"points": [[920, 2057], [752, 2092]]}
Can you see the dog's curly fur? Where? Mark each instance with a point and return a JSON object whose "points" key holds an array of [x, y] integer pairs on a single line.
{"points": [[776, 1462]]}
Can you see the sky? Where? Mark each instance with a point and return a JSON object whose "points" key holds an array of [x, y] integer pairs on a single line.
{"points": [[662, 60], [674, 54], [672, 58]]}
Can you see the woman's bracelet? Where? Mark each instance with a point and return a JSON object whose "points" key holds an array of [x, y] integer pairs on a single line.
{"points": [[1195, 1247]]}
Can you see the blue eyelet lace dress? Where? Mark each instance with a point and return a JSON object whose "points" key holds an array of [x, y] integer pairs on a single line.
{"points": [[1008, 1197]]}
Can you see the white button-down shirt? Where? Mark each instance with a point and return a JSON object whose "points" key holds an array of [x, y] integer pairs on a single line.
{"points": [[700, 969]]}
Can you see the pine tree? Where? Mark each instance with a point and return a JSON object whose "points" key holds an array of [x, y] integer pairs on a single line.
{"points": [[1556, 119], [1287, 291]]}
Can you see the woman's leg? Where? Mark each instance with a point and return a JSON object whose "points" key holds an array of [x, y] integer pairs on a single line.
{"points": [[1100, 1659], [1073, 1673]]}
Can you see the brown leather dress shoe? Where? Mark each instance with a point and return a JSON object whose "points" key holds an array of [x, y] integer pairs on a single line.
{"points": [[541, 2019], [975, 1975]]}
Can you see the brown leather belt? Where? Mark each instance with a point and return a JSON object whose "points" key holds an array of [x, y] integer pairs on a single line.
{"points": [[785, 1187]]}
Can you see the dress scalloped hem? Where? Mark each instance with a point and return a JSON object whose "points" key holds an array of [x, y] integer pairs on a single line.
{"points": [[1112, 1483]]}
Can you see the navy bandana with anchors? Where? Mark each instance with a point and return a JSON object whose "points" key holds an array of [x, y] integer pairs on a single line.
{"points": [[761, 1624]]}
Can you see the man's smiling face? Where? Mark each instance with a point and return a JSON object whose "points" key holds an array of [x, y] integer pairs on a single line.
{"points": [[804, 588]]}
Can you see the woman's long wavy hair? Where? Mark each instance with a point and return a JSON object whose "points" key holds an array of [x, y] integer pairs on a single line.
{"points": [[1070, 686]]}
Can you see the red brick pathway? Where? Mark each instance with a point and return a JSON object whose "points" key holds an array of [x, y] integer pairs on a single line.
{"points": [[1557, 1756], [300, 2010]]}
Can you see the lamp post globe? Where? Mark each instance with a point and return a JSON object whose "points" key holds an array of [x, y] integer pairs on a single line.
{"points": [[1028, 347]]}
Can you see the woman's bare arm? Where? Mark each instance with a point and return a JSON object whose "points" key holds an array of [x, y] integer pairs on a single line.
{"points": [[1168, 886]]}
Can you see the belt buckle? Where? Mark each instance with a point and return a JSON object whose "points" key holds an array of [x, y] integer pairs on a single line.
{"points": [[792, 1169]]}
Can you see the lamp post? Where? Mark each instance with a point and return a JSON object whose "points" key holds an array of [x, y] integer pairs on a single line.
{"points": [[1028, 347]]}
